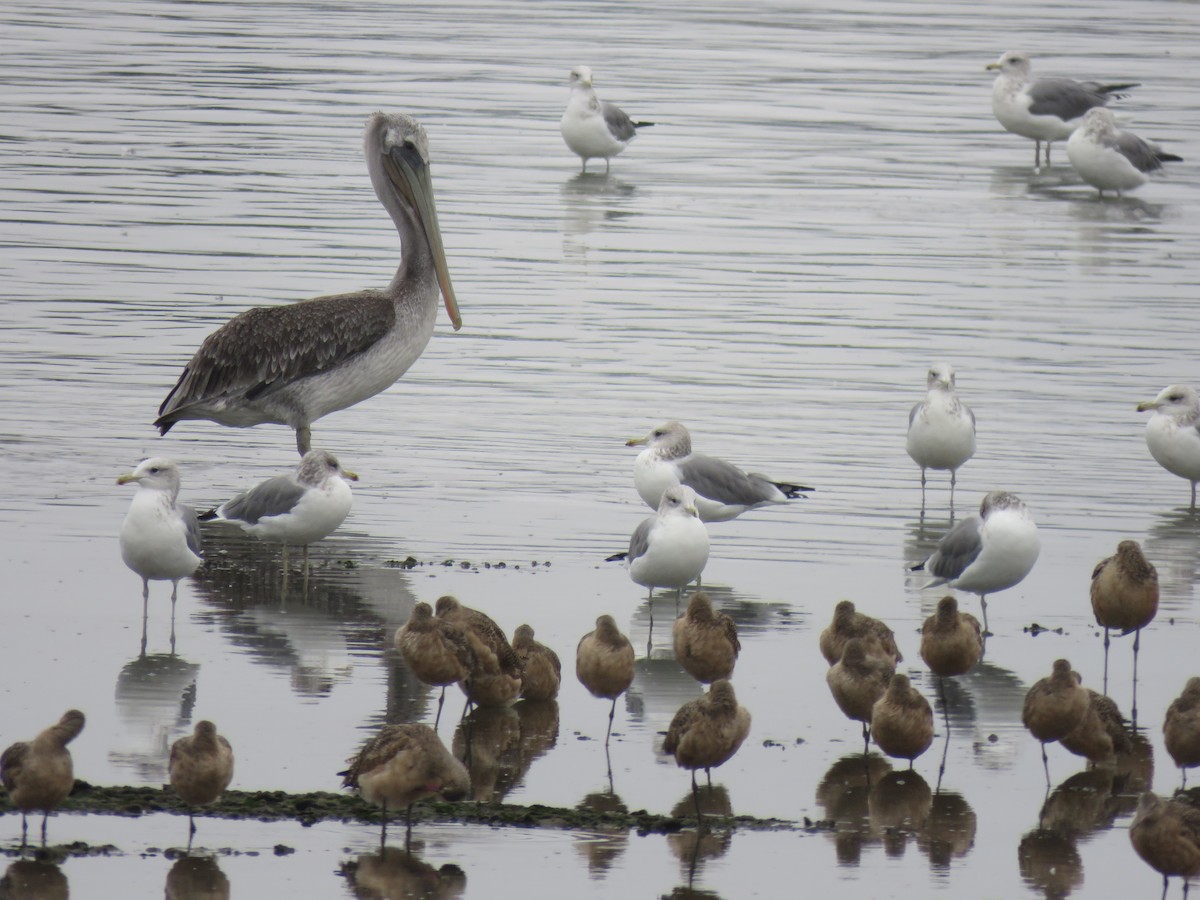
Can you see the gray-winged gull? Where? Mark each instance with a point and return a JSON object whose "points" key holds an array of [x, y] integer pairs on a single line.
{"points": [[1173, 432], [1110, 159], [941, 428], [594, 128], [160, 538]]}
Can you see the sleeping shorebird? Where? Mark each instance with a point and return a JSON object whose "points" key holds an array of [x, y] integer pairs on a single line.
{"points": [[1181, 728], [39, 774], [604, 664], [1125, 597], [902, 720], [1054, 707], [201, 767], [594, 128], [1166, 834], [951, 644], [292, 364], [848, 623], [541, 667], [858, 680], [436, 651], [495, 680], [706, 732], [705, 640]]}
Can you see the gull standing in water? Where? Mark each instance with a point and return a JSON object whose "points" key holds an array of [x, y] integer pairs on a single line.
{"points": [[301, 507], [988, 552], [723, 491], [1173, 432], [1110, 159], [39, 774], [295, 363], [669, 549], [594, 128], [941, 429], [1043, 109]]}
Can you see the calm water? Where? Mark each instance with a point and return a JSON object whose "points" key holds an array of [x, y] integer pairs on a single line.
{"points": [[824, 206]]}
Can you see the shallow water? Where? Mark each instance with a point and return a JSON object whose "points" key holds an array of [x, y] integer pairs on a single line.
{"points": [[824, 206]]}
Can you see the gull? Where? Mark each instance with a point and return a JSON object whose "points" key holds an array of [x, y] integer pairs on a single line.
{"points": [[902, 720], [1054, 707], [988, 552], [304, 506], [292, 364], [1045, 109], [1125, 596], [39, 774], [542, 669], [1166, 834], [1110, 159], [592, 127], [670, 548], [604, 664], [705, 640], [160, 538], [941, 428], [1173, 432], [706, 732], [1181, 728], [723, 491], [401, 765], [436, 651], [201, 767]]}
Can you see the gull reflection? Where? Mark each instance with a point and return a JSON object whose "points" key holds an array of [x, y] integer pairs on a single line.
{"points": [[591, 200], [155, 695], [196, 878], [949, 830], [1173, 546], [603, 845], [396, 874], [33, 879]]}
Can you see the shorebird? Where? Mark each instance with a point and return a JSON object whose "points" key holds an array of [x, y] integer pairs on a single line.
{"points": [[1181, 728], [160, 537], [496, 678], [1110, 159], [604, 664], [1125, 597], [436, 651], [705, 640], [401, 765], [1166, 834], [670, 548], [902, 720], [594, 128], [201, 767], [1173, 432], [1101, 733], [1043, 109], [941, 428], [857, 681], [849, 623], [706, 732], [292, 364], [988, 552], [302, 507], [542, 669], [1054, 707], [723, 491], [951, 644], [39, 774]]}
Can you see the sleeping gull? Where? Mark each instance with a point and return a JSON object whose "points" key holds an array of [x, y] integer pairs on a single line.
{"points": [[298, 508], [941, 428], [1046, 109], [160, 538], [988, 552], [295, 363], [592, 127], [1173, 432], [669, 549], [1110, 159], [723, 491]]}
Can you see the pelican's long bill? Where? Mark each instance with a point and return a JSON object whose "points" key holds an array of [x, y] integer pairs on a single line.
{"points": [[410, 174]]}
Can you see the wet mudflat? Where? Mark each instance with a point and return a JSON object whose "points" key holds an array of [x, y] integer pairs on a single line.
{"points": [[824, 207]]}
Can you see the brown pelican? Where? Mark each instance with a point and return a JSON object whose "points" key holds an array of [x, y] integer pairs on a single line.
{"points": [[295, 363]]}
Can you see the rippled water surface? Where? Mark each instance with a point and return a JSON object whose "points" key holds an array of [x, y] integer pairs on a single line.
{"points": [[824, 206]]}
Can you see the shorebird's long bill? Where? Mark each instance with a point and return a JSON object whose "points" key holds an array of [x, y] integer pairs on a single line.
{"points": [[410, 174]]}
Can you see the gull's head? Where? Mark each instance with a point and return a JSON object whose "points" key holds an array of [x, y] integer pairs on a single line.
{"points": [[940, 376], [998, 500], [1178, 401], [1098, 121], [155, 473], [582, 76], [317, 466], [679, 499], [1014, 62], [670, 439]]}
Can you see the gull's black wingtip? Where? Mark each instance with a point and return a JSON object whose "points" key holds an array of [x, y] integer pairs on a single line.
{"points": [[617, 557]]}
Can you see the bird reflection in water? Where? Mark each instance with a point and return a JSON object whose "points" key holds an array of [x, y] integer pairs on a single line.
{"points": [[898, 808], [488, 742], [155, 695], [603, 843], [692, 846], [843, 794], [34, 879], [1050, 863], [196, 878], [949, 831], [395, 873]]}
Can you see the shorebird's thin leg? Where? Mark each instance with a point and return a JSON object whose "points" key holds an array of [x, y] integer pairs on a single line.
{"points": [[441, 700], [1137, 636], [383, 827], [612, 712]]}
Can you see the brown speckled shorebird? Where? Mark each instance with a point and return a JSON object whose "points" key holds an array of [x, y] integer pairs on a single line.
{"points": [[436, 651], [1054, 706], [1101, 734], [38, 774], [902, 720], [1125, 597], [201, 767], [496, 678], [857, 680], [543, 668], [401, 765], [951, 644], [848, 623], [604, 664], [1166, 834], [706, 732], [706, 641], [1181, 728]]}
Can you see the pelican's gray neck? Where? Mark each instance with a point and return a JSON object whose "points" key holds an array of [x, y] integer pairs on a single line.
{"points": [[416, 256]]}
